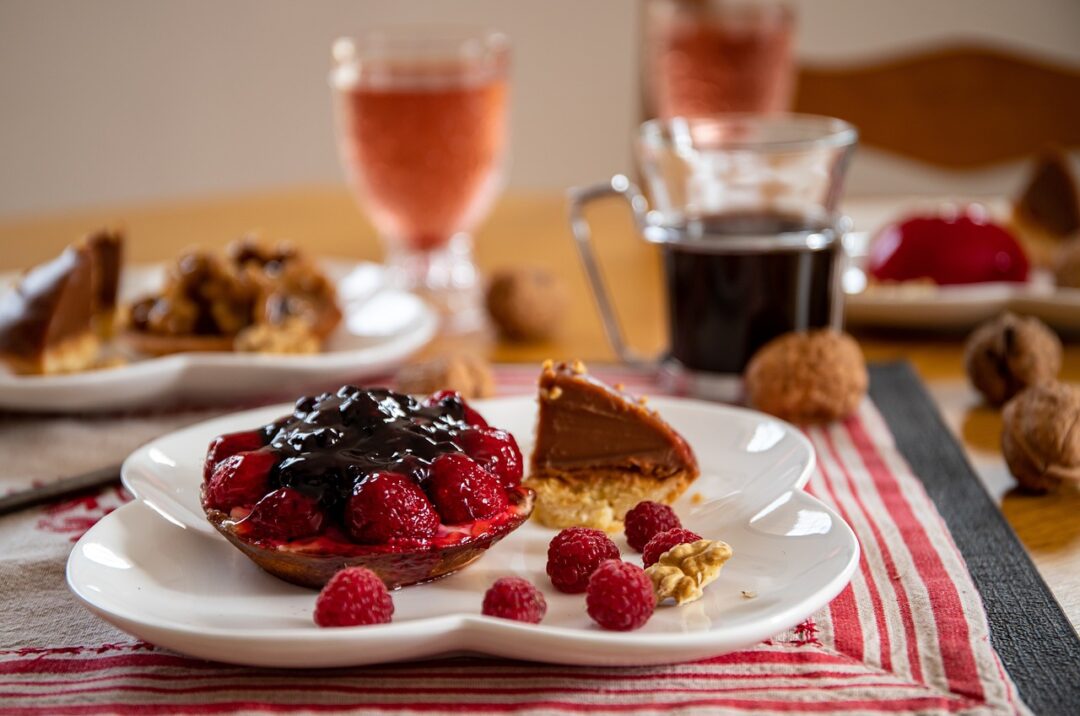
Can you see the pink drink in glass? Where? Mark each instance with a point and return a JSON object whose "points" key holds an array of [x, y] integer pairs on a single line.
{"points": [[706, 58], [422, 125], [423, 148]]}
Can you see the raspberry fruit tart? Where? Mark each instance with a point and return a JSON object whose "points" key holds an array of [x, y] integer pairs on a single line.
{"points": [[412, 490]]}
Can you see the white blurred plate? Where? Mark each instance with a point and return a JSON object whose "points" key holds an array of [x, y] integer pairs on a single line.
{"points": [[380, 328], [950, 308]]}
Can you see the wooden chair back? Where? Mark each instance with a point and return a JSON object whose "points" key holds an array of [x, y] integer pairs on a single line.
{"points": [[957, 107]]}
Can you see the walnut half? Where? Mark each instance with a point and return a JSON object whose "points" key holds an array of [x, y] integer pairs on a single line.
{"points": [[684, 571]]}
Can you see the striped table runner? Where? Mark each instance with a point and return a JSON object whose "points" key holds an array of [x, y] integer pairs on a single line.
{"points": [[908, 635]]}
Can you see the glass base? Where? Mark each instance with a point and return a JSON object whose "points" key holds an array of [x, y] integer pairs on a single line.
{"points": [[447, 279], [720, 387]]}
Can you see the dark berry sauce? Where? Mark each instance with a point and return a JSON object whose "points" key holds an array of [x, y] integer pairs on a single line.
{"points": [[333, 442]]}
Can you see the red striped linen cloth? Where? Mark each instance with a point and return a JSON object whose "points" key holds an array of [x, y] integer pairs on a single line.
{"points": [[909, 635]]}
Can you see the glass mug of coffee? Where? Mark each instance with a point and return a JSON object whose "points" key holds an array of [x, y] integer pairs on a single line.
{"points": [[744, 210]]}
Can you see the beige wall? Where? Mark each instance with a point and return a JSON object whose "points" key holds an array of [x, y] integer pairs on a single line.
{"points": [[122, 100]]}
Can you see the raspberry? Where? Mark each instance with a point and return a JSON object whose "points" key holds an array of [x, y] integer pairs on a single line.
{"points": [[452, 396], [515, 598], [286, 514], [389, 505], [352, 597], [646, 520], [239, 480], [463, 491], [573, 555], [497, 451], [664, 541], [229, 444], [620, 596]]}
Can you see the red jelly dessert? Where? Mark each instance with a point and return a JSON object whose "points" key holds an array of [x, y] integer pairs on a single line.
{"points": [[947, 250], [410, 490]]}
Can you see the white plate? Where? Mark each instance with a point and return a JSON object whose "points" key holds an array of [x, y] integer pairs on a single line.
{"points": [[380, 328], [944, 308], [952, 307], [157, 570]]}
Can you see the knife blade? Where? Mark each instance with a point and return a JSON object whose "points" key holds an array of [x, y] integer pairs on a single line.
{"points": [[58, 488]]}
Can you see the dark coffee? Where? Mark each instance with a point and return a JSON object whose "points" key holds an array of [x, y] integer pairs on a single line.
{"points": [[735, 281]]}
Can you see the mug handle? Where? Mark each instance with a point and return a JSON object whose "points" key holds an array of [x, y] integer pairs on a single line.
{"points": [[621, 186]]}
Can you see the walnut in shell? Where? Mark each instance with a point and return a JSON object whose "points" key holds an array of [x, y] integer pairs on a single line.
{"points": [[1041, 436], [469, 375], [808, 377], [1009, 353], [526, 304]]}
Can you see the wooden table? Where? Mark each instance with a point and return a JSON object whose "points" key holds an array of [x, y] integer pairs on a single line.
{"points": [[533, 229]]}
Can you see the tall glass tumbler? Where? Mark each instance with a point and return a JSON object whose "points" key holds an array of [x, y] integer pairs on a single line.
{"points": [[422, 132]]}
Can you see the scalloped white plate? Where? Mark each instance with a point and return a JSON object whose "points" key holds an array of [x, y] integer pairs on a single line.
{"points": [[156, 569], [380, 328]]}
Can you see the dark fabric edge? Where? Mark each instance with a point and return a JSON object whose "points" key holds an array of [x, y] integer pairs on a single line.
{"points": [[1037, 645]]}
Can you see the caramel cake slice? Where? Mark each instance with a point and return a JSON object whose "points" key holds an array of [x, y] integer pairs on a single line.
{"points": [[600, 451], [45, 319], [1047, 213]]}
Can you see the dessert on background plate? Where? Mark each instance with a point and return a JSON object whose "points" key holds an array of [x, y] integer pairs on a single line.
{"points": [[953, 265], [411, 490], [255, 299], [1036, 240], [380, 328], [946, 249], [65, 315], [56, 317], [598, 452], [1046, 214]]}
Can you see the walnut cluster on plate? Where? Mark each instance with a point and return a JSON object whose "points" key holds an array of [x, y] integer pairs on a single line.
{"points": [[255, 298]]}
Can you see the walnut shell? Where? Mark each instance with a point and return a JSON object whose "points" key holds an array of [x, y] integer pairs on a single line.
{"points": [[1010, 353], [526, 304], [469, 375], [808, 377], [1041, 436]]}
